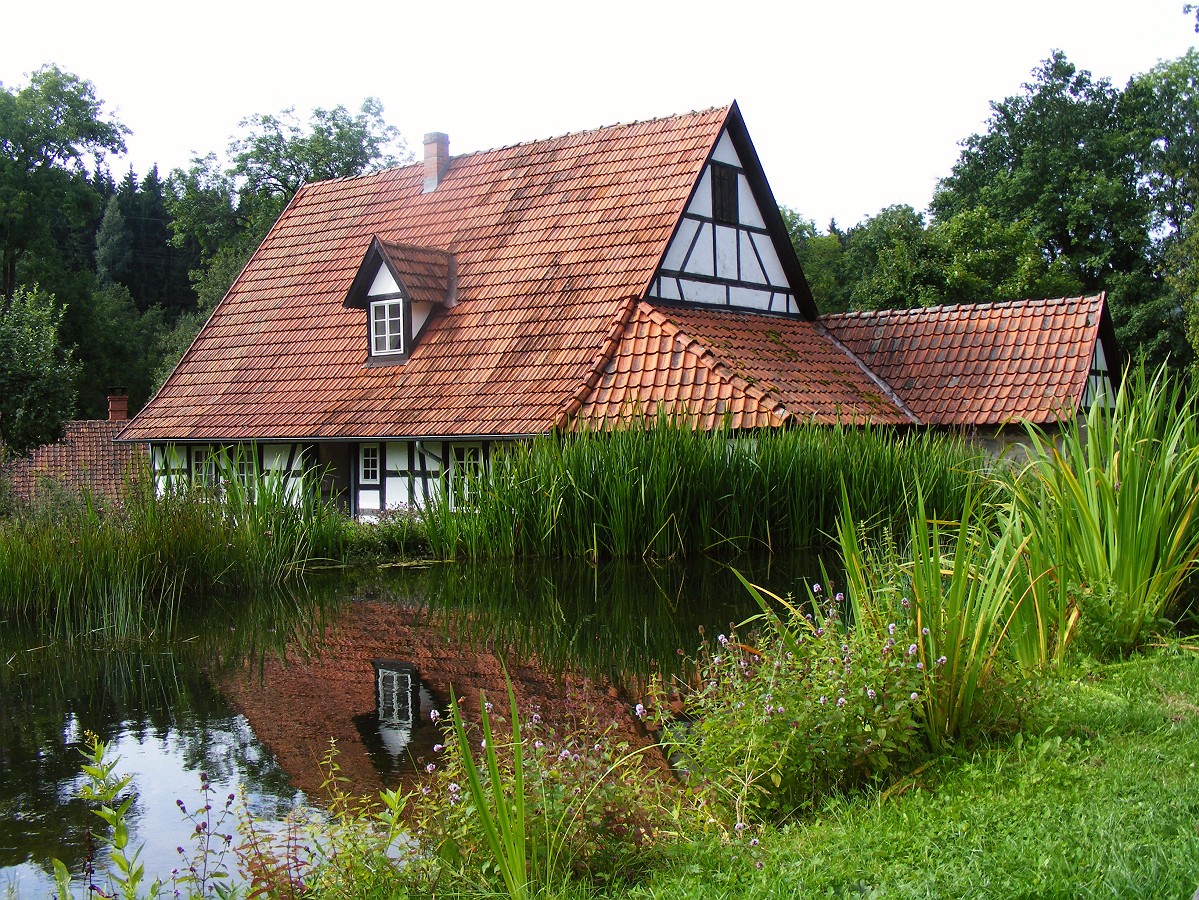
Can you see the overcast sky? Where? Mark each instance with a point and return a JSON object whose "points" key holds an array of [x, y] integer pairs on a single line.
{"points": [[852, 106]]}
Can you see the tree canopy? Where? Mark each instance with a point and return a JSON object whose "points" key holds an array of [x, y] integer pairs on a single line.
{"points": [[37, 376]]}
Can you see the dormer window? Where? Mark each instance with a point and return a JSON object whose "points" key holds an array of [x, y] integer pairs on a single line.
{"points": [[387, 327], [399, 287]]}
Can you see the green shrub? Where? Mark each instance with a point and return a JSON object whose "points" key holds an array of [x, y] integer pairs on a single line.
{"points": [[799, 709]]}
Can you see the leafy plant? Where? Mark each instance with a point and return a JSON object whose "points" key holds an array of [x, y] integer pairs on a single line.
{"points": [[1108, 512], [960, 580]]}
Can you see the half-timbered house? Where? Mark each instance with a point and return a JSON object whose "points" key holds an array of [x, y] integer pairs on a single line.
{"points": [[393, 328]]}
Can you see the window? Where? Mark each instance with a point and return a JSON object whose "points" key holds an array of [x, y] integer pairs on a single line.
{"points": [[204, 466], [368, 468], [468, 470], [724, 194], [387, 327]]}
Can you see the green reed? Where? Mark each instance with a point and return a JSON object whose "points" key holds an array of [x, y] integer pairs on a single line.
{"points": [[1110, 510], [662, 489], [76, 565]]}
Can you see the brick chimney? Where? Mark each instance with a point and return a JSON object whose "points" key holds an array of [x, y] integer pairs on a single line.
{"points": [[437, 158], [118, 407]]}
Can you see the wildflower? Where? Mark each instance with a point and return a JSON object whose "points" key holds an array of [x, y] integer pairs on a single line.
{"points": [[488, 707], [715, 660], [536, 718], [769, 709], [905, 603], [942, 661], [430, 768], [870, 693], [483, 744], [823, 700], [565, 754], [739, 827], [782, 709], [434, 715], [437, 748], [840, 598], [722, 640], [891, 628], [920, 666], [912, 649], [924, 631], [816, 589], [840, 701], [819, 632], [915, 696], [537, 745], [758, 864], [753, 842], [639, 710]]}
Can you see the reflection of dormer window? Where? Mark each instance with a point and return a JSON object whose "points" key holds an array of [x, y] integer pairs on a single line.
{"points": [[387, 327]]}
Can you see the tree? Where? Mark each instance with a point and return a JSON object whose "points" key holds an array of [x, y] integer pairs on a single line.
{"points": [[37, 376], [221, 214], [49, 130], [822, 257], [1083, 167], [895, 263]]}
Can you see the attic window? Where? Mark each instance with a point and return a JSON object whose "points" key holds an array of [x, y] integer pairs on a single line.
{"points": [[387, 327], [724, 194]]}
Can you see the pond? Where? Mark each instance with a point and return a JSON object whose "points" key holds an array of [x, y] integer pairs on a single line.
{"points": [[250, 691]]}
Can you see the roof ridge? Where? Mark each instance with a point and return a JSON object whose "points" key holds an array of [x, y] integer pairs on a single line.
{"points": [[695, 113], [942, 307]]}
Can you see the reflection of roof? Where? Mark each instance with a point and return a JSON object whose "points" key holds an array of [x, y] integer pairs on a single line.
{"points": [[296, 705], [749, 370], [86, 457], [982, 364], [550, 239]]}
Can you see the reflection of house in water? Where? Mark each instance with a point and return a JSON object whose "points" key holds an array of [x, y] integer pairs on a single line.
{"points": [[370, 685]]}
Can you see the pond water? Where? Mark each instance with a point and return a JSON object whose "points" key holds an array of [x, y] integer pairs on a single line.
{"points": [[250, 692]]}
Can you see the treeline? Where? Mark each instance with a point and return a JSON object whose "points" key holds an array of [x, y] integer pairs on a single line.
{"points": [[1075, 187], [135, 262]]}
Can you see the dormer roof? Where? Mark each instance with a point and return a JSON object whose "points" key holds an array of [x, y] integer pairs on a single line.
{"points": [[424, 274]]}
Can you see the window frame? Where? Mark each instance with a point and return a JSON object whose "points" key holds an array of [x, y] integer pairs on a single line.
{"points": [[362, 464], [399, 334]]}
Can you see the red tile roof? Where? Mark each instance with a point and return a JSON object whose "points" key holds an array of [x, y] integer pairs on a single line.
{"points": [[86, 457], [747, 370], [983, 364], [551, 240]]}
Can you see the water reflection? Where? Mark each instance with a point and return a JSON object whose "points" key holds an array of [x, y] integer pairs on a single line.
{"points": [[252, 691]]}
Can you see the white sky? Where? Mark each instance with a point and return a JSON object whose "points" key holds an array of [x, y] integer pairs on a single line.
{"points": [[852, 106]]}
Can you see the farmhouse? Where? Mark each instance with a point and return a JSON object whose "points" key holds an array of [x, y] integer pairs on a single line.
{"points": [[393, 328]]}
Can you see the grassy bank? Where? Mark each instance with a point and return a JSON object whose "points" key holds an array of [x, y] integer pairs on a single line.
{"points": [[1096, 796]]}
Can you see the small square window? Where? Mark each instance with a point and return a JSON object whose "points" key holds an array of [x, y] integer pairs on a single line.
{"points": [[724, 194], [387, 327], [368, 468]]}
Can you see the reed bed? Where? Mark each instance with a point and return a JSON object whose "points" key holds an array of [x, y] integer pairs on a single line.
{"points": [[76, 566], [664, 489]]}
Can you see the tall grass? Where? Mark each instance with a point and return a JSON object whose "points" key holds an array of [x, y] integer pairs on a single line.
{"points": [[80, 565], [664, 489], [1108, 509]]}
